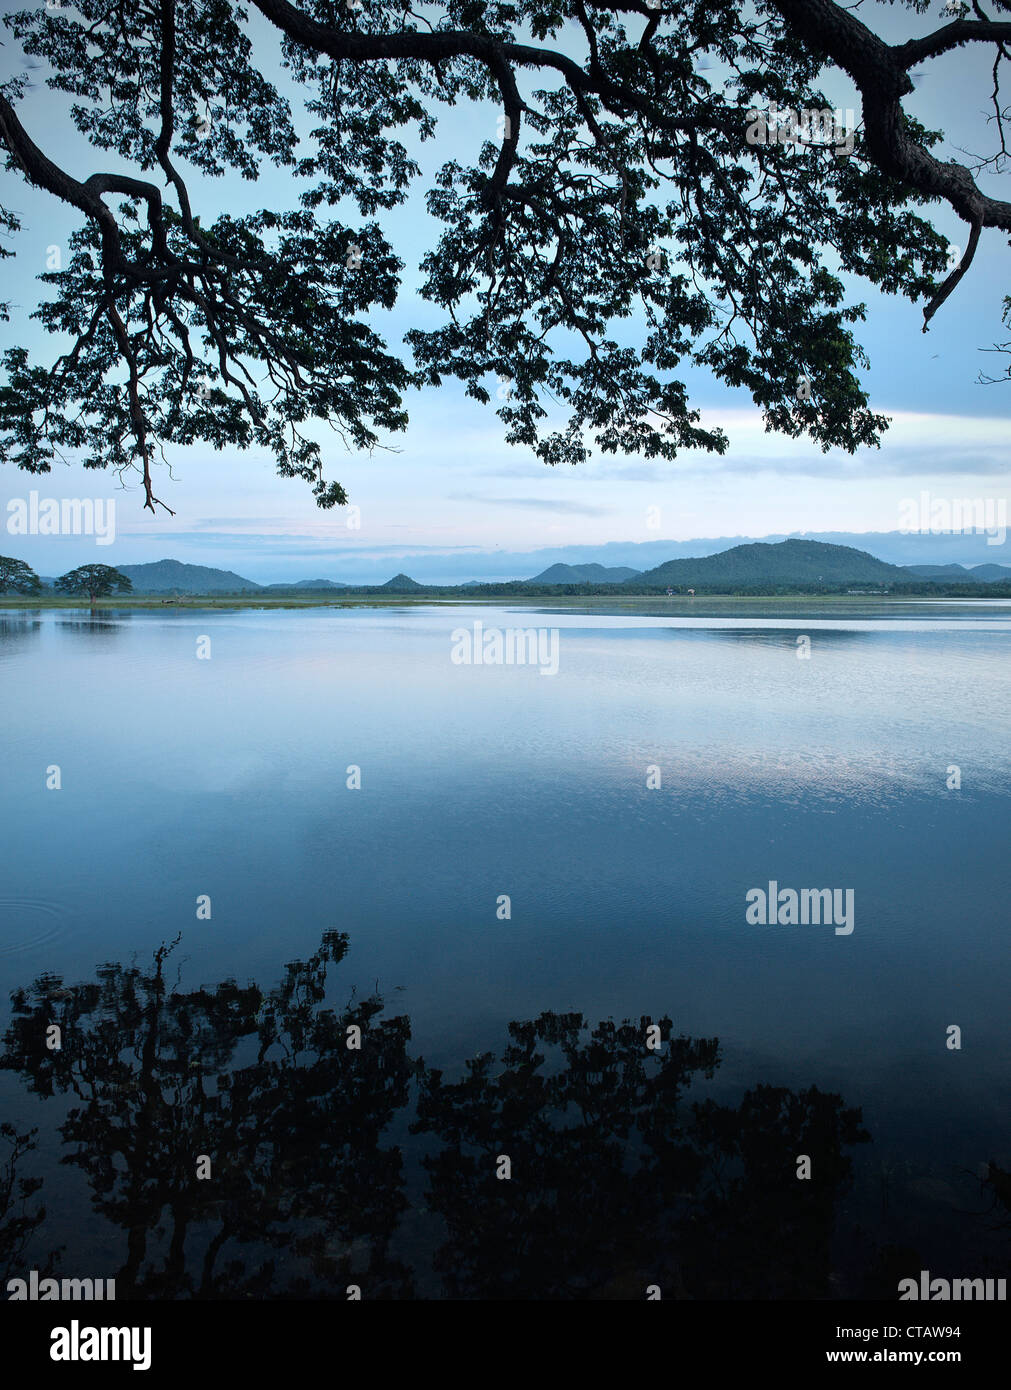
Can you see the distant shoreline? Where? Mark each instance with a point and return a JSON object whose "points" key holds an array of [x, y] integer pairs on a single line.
{"points": [[443, 598]]}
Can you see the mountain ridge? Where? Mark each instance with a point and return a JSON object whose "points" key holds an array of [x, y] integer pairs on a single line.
{"points": [[176, 576], [961, 574], [781, 562], [793, 561], [591, 573]]}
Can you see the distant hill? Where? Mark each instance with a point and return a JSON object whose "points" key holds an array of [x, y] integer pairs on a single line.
{"points": [[990, 574], [585, 574], [950, 573], [787, 562], [793, 562], [173, 577], [959, 574], [318, 585]]}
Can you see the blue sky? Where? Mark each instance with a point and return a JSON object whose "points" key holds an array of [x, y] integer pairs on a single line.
{"points": [[453, 486]]}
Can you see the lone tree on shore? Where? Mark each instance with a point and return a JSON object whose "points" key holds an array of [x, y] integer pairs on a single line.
{"points": [[97, 581], [629, 178], [18, 578]]}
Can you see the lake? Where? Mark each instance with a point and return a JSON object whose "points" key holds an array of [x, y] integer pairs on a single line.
{"points": [[353, 944]]}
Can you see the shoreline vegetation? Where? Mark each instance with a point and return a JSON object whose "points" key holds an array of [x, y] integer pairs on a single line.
{"points": [[608, 595], [782, 570]]}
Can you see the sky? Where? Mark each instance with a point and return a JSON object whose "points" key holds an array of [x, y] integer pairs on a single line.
{"points": [[450, 490]]}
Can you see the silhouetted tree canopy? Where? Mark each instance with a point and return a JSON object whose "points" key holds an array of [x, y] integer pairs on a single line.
{"points": [[619, 227], [97, 581], [16, 577]]}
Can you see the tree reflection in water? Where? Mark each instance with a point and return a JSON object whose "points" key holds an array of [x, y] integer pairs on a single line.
{"points": [[618, 1180], [302, 1192]]}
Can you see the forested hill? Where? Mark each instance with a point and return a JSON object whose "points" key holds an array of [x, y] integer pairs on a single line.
{"points": [[786, 562]]}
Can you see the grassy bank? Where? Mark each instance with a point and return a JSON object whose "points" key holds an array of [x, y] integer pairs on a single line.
{"points": [[537, 599]]}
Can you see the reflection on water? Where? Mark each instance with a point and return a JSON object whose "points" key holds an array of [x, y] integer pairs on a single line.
{"points": [[615, 1179], [97, 625], [576, 1164], [260, 1090], [15, 628]]}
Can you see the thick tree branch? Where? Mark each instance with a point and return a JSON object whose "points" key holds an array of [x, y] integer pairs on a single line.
{"points": [[880, 72], [41, 171], [443, 45], [952, 36], [946, 287]]}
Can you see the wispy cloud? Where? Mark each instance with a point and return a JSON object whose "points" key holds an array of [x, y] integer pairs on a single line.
{"points": [[916, 444], [566, 505]]}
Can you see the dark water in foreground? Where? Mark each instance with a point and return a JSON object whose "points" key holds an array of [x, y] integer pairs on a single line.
{"points": [[191, 1043]]}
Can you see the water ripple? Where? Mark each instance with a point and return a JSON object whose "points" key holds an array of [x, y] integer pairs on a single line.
{"points": [[27, 923]]}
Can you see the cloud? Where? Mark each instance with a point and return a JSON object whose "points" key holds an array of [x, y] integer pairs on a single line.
{"points": [[545, 504], [594, 470], [300, 544], [915, 445]]}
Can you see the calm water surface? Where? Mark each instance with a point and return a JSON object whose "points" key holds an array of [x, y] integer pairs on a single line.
{"points": [[378, 907]]}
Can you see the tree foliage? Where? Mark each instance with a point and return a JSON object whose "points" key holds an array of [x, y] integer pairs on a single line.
{"points": [[17, 577], [97, 581], [620, 230]]}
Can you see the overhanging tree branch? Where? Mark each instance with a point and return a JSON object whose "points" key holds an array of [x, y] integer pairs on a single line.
{"points": [[251, 330]]}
